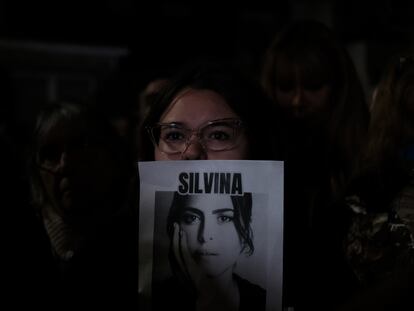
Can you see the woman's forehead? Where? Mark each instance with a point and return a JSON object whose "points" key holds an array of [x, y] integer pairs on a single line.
{"points": [[311, 63], [204, 201], [196, 106]]}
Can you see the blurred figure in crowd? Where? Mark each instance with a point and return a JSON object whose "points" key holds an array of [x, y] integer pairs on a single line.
{"points": [[311, 79], [81, 172], [380, 242]]}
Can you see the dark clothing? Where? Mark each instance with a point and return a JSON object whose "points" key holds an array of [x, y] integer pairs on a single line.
{"points": [[103, 275], [28, 274], [252, 296], [316, 275], [105, 272], [380, 242], [173, 295]]}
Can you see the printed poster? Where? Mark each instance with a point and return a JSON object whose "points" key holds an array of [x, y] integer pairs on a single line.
{"points": [[211, 235]]}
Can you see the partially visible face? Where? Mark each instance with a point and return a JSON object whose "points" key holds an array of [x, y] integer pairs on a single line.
{"points": [[303, 97], [213, 241], [193, 108], [71, 170]]}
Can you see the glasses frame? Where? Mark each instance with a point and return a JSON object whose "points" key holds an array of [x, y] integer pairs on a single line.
{"points": [[237, 122]]}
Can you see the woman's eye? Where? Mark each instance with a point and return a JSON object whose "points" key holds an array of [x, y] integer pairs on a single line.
{"points": [[219, 135], [190, 219], [219, 132], [224, 219], [173, 136]]}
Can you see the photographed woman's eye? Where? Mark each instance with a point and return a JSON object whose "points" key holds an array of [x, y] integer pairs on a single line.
{"points": [[224, 218], [190, 219]]}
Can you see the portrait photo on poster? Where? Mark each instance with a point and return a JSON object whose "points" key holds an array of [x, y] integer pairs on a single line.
{"points": [[205, 238]]}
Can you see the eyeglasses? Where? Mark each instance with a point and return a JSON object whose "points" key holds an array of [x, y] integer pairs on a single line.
{"points": [[216, 135]]}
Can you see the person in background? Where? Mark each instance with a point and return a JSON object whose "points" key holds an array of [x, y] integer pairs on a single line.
{"points": [[25, 257], [379, 244], [80, 173], [149, 94], [309, 76], [311, 80]]}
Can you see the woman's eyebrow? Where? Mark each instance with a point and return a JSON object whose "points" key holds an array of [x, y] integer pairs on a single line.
{"points": [[194, 210], [222, 210], [172, 123]]}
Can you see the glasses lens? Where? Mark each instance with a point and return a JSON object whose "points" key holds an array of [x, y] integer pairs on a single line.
{"points": [[216, 136], [221, 135], [170, 138]]}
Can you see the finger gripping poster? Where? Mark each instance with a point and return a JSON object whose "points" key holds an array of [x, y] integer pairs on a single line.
{"points": [[211, 235]]}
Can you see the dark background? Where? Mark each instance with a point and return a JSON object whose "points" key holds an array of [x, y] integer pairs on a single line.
{"points": [[63, 49]]}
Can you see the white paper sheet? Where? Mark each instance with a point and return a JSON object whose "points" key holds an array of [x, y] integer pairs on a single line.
{"points": [[216, 180]]}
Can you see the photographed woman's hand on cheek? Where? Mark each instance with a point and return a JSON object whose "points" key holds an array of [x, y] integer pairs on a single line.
{"points": [[189, 271]]}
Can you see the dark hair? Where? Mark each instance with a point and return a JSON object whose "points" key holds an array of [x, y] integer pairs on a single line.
{"points": [[242, 95], [242, 217]]}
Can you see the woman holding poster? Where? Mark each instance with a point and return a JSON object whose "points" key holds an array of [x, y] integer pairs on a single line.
{"points": [[208, 112]]}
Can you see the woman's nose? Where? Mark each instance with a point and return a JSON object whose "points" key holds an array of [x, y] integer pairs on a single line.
{"points": [[194, 150], [206, 232]]}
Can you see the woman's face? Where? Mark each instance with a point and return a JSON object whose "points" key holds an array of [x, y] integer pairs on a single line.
{"points": [[70, 167], [192, 109], [213, 241], [302, 96]]}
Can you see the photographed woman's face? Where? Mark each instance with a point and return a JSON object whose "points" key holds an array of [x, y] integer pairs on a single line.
{"points": [[302, 96], [213, 241], [193, 108]]}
